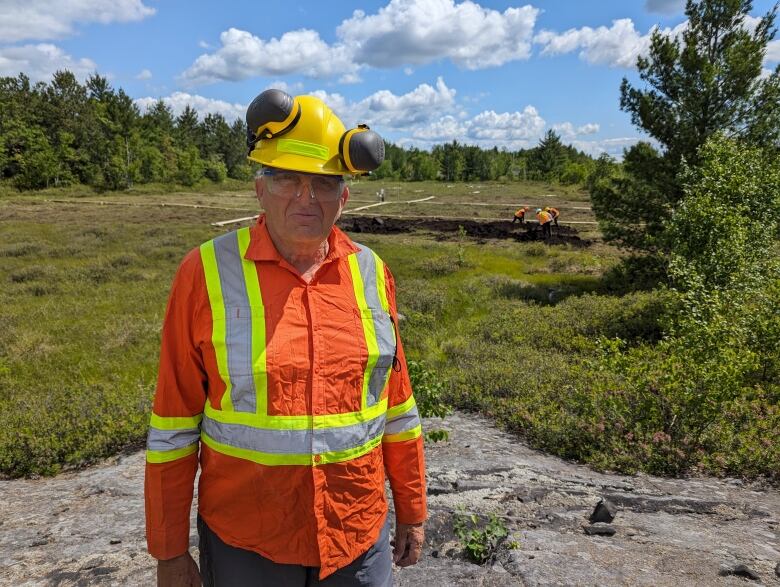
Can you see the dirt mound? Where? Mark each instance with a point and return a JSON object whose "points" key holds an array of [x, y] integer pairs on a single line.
{"points": [[447, 229]]}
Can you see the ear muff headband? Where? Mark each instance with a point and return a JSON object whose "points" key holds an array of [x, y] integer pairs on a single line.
{"points": [[272, 114], [361, 149]]}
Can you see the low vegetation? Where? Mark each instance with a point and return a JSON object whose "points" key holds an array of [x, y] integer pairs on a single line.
{"points": [[549, 341], [480, 539]]}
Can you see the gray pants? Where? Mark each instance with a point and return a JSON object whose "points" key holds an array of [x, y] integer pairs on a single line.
{"points": [[222, 565]]}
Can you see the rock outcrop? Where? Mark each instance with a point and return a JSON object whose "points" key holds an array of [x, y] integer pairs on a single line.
{"points": [[86, 528]]}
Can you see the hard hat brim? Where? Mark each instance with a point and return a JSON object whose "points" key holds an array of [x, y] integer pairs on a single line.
{"points": [[292, 162]]}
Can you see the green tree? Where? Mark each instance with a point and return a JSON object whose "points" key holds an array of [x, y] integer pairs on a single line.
{"points": [[725, 229], [550, 156], [191, 167], [451, 161], [423, 166], [708, 82]]}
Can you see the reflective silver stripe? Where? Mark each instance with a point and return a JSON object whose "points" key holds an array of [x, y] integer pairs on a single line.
{"points": [[404, 422], [238, 322], [307, 441], [164, 440], [383, 326]]}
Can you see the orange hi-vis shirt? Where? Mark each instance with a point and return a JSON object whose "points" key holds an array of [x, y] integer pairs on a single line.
{"points": [[296, 403], [544, 217]]}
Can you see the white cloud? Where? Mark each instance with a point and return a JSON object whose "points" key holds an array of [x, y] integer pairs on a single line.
{"points": [[179, 100], [665, 6], [41, 19], [243, 55], [421, 31], [506, 126], [405, 32], [204, 45], [772, 52], [295, 88], [384, 110], [618, 45], [588, 129], [568, 131], [40, 61], [144, 74], [613, 147]]}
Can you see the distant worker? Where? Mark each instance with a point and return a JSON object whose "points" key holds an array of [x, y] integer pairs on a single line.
{"points": [[545, 221], [520, 215], [554, 213]]}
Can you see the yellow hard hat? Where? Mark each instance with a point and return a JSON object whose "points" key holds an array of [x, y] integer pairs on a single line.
{"points": [[302, 133]]}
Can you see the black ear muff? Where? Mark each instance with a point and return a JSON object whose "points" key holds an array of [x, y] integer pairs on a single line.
{"points": [[270, 115], [361, 149]]}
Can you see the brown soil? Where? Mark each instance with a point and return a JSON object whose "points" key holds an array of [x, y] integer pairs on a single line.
{"points": [[448, 229]]}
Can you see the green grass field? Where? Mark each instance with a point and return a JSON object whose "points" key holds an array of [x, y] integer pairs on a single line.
{"points": [[512, 329]]}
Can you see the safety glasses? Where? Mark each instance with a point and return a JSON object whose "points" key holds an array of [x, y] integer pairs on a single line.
{"points": [[290, 185]]}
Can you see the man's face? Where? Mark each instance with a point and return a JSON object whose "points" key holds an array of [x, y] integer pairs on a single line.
{"points": [[292, 214]]}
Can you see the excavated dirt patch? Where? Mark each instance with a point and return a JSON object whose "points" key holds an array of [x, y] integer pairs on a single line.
{"points": [[447, 229]]}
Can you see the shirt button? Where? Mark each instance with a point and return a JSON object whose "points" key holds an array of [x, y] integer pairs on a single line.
{"points": [[317, 458]]}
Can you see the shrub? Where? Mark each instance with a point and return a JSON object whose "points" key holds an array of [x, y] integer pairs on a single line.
{"points": [[216, 170], [428, 391]]}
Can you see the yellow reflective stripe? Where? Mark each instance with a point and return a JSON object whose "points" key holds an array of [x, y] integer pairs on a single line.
{"points": [[264, 458], [367, 320], [305, 422], [304, 148], [401, 409], [340, 456], [177, 423], [259, 368], [218, 329], [380, 283], [405, 435], [166, 456]]}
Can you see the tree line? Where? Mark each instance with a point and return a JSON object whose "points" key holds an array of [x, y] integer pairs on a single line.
{"points": [[550, 160], [64, 132]]}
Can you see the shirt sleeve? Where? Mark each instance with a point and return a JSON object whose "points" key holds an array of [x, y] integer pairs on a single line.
{"points": [[174, 430], [402, 443]]}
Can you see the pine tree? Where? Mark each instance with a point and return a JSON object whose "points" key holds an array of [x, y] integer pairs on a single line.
{"points": [[708, 82], [550, 156]]}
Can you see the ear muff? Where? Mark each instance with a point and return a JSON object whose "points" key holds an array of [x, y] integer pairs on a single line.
{"points": [[361, 149], [271, 114]]}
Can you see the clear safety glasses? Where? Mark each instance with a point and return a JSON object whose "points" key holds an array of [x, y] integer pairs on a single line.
{"points": [[290, 184]]}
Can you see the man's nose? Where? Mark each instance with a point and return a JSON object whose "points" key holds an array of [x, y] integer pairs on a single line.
{"points": [[306, 188]]}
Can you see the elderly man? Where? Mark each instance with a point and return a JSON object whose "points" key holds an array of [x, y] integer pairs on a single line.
{"points": [[282, 375]]}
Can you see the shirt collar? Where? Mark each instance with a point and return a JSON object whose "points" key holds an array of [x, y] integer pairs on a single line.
{"points": [[261, 247]]}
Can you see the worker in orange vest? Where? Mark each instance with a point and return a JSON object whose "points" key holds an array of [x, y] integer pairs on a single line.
{"points": [[545, 221], [293, 409], [520, 215], [554, 213]]}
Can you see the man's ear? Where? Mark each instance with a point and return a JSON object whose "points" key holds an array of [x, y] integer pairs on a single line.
{"points": [[260, 191], [345, 196], [343, 201]]}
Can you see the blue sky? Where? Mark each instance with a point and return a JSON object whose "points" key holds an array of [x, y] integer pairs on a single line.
{"points": [[420, 72]]}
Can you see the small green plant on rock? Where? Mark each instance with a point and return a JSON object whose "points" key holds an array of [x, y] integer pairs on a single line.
{"points": [[429, 396], [481, 543]]}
